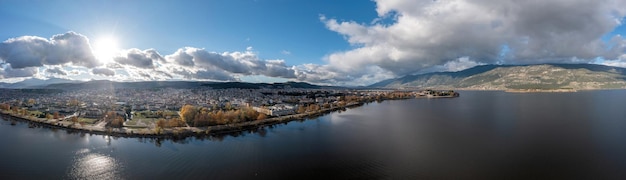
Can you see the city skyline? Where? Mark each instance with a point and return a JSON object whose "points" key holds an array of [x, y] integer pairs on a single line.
{"points": [[322, 42]]}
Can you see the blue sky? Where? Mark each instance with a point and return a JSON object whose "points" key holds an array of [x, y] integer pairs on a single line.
{"points": [[322, 41], [269, 26]]}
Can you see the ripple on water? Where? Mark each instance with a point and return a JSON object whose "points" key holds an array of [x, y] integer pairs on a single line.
{"points": [[89, 165]]}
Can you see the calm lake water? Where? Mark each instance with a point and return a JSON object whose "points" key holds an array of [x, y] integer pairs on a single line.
{"points": [[480, 135]]}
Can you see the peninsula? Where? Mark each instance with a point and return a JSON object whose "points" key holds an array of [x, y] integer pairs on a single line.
{"points": [[170, 112]]}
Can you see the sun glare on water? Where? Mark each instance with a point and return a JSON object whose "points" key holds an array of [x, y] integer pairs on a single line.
{"points": [[105, 48]]}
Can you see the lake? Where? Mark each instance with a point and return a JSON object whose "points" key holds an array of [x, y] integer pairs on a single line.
{"points": [[480, 135]]}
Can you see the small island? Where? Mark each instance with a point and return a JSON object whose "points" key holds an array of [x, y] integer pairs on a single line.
{"points": [[438, 94], [176, 113]]}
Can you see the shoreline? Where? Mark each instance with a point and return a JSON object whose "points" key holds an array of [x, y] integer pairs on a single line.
{"points": [[176, 132], [540, 90]]}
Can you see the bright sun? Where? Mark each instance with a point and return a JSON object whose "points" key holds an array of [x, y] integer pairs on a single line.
{"points": [[105, 48]]}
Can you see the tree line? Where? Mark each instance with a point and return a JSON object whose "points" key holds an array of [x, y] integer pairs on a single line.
{"points": [[202, 116]]}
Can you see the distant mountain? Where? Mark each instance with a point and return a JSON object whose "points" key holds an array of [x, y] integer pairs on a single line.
{"points": [[517, 77], [244, 85], [105, 84], [34, 83]]}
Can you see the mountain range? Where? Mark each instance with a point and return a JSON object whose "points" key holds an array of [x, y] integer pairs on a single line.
{"points": [[516, 77], [483, 77], [34, 83], [65, 84]]}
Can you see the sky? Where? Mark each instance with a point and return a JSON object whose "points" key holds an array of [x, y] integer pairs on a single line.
{"points": [[323, 41]]}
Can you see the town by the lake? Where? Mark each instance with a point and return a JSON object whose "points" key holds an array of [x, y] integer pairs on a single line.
{"points": [[168, 111]]}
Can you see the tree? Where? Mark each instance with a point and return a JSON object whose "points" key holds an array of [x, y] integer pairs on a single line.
{"points": [[250, 114], [175, 122], [74, 119], [110, 115], [188, 113], [301, 109], [55, 115], [313, 107], [117, 122], [161, 123], [5, 106], [261, 116], [219, 117]]}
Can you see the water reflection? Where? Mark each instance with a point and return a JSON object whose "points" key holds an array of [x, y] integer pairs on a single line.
{"points": [[90, 165], [482, 135]]}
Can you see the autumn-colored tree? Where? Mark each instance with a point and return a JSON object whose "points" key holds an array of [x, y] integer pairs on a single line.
{"points": [[341, 104], [250, 114], [188, 113], [201, 119], [5, 106], [219, 117], [48, 116], [74, 119], [261, 116], [55, 115], [301, 109], [161, 123], [175, 122], [313, 107], [228, 117], [117, 122]]}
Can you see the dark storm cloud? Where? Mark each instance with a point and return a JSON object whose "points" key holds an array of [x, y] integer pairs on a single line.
{"points": [[9, 72]]}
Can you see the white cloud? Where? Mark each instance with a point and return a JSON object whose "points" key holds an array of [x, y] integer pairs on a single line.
{"points": [[426, 34], [407, 36], [32, 51], [56, 70], [138, 58], [239, 63], [619, 62], [329, 75]]}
